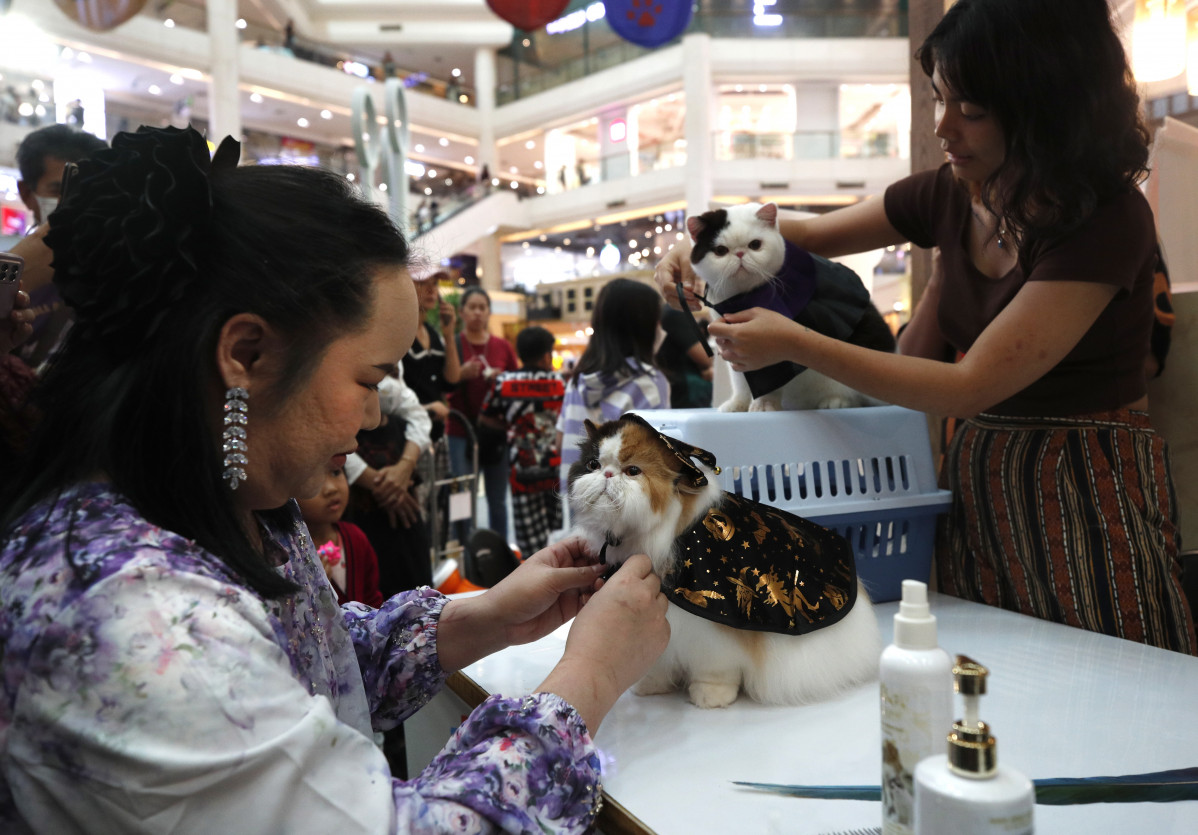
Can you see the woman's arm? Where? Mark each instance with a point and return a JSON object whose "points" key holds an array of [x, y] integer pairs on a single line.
{"points": [[452, 372], [1044, 321]]}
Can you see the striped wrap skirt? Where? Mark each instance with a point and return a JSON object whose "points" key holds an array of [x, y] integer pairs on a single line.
{"points": [[1072, 520]]}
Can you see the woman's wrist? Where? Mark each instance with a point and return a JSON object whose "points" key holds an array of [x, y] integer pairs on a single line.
{"points": [[466, 632]]}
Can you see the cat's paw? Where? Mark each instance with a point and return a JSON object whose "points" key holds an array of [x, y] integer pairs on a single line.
{"points": [[711, 695], [766, 404], [837, 402], [736, 404]]}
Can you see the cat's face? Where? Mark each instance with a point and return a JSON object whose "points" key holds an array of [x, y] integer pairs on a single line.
{"points": [[736, 249], [627, 483]]}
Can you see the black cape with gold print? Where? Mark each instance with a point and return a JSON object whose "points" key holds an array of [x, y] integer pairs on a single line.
{"points": [[751, 566]]}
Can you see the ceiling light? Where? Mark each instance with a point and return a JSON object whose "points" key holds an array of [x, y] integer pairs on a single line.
{"points": [[443, 142], [256, 98], [432, 172], [241, 24], [527, 42], [530, 144], [469, 160], [540, 189], [449, 181], [527, 244], [326, 114], [419, 148], [302, 122], [84, 57], [494, 181], [566, 241], [455, 72], [350, 176], [513, 170], [463, 98], [382, 186], [168, 23], [176, 78], [428, 191], [155, 90]]}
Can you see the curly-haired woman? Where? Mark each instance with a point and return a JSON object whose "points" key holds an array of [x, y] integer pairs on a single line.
{"points": [[172, 655], [1063, 503]]}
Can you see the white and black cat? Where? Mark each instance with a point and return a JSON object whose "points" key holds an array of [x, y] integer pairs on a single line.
{"points": [[745, 262], [636, 491]]}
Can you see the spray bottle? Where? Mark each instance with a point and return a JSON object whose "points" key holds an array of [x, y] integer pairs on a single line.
{"points": [[917, 705]]}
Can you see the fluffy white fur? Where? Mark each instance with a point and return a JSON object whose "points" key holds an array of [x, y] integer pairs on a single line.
{"points": [[712, 661], [750, 252]]}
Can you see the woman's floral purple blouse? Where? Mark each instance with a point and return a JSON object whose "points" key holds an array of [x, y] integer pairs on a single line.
{"points": [[144, 690]]}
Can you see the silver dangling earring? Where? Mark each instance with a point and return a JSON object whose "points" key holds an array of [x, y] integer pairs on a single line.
{"points": [[234, 446]]}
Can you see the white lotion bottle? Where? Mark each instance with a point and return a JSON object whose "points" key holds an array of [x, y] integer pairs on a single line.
{"points": [[966, 792], [916, 678]]}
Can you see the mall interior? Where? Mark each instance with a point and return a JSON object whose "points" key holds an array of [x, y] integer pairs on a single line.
{"points": [[542, 164]]}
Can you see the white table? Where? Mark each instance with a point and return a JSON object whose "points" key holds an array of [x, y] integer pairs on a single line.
{"points": [[1062, 703]]}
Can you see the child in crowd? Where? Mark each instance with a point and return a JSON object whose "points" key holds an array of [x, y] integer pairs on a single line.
{"points": [[348, 558], [527, 403], [615, 374]]}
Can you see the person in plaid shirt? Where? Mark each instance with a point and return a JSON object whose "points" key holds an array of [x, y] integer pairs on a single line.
{"points": [[527, 402]]}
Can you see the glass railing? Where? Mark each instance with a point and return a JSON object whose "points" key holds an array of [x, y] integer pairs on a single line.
{"points": [[590, 48], [734, 145]]}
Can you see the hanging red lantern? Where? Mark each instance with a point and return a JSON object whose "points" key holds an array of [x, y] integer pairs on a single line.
{"points": [[528, 14], [648, 23]]}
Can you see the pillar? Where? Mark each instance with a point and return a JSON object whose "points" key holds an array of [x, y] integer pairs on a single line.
{"points": [[485, 75], [700, 124], [224, 101]]}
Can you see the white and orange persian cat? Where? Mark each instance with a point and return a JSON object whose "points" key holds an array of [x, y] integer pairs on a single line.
{"points": [[634, 490]]}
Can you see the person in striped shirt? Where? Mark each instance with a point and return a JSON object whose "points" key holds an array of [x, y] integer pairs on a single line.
{"points": [[615, 374]]}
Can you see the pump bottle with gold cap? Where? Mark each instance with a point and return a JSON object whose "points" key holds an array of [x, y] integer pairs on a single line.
{"points": [[966, 792]]}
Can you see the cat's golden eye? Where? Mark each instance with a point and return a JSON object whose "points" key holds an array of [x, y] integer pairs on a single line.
{"points": [[754, 245], [593, 464], [720, 250], [633, 470]]}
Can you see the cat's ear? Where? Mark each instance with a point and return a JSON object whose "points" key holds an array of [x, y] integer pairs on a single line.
{"points": [[591, 429], [694, 225], [768, 213]]}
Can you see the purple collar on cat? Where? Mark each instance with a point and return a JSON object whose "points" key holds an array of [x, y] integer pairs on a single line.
{"points": [[788, 293]]}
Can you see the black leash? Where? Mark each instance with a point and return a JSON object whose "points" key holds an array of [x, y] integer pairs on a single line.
{"points": [[686, 308]]}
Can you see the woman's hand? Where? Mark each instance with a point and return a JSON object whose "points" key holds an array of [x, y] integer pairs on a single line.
{"points": [[472, 369], [405, 511], [675, 268], [391, 482], [755, 338], [544, 592], [437, 409], [449, 316], [18, 325], [613, 641]]}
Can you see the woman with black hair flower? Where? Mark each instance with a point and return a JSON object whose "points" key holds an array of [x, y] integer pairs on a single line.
{"points": [[172, 656], [1063, 502]]}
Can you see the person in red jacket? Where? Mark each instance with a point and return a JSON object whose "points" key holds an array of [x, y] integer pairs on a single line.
{"points": [[348, 557]]}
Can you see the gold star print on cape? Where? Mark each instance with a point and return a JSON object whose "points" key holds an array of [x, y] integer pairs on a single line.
{"points": [[751, 566]]}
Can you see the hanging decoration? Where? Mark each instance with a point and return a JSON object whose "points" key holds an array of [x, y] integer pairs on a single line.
{"points": [[528, 14], [100, 15], [648, 23]]}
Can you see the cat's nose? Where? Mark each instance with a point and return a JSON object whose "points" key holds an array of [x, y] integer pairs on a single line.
{"points": [[608, 473], [740, 253]]}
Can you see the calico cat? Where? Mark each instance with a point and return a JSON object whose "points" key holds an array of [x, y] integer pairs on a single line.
{"points": [[745, 262], [636, 491]]}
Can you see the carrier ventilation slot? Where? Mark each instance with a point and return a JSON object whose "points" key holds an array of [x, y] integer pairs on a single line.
{"points": [[771, 483]]}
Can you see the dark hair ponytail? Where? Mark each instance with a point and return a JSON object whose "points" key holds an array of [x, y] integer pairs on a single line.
{"points": [[624, 325], [134, 395]]}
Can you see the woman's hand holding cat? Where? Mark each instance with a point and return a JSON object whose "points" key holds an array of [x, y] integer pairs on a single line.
{"points": [[613, 641], [544, 592], [755, 338], [675, 268]]}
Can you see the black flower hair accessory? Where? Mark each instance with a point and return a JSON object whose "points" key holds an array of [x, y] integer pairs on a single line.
{"points": [[128, 232]]}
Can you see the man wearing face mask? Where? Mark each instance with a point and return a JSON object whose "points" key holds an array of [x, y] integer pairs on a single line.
{"points": [[42, 157]]}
